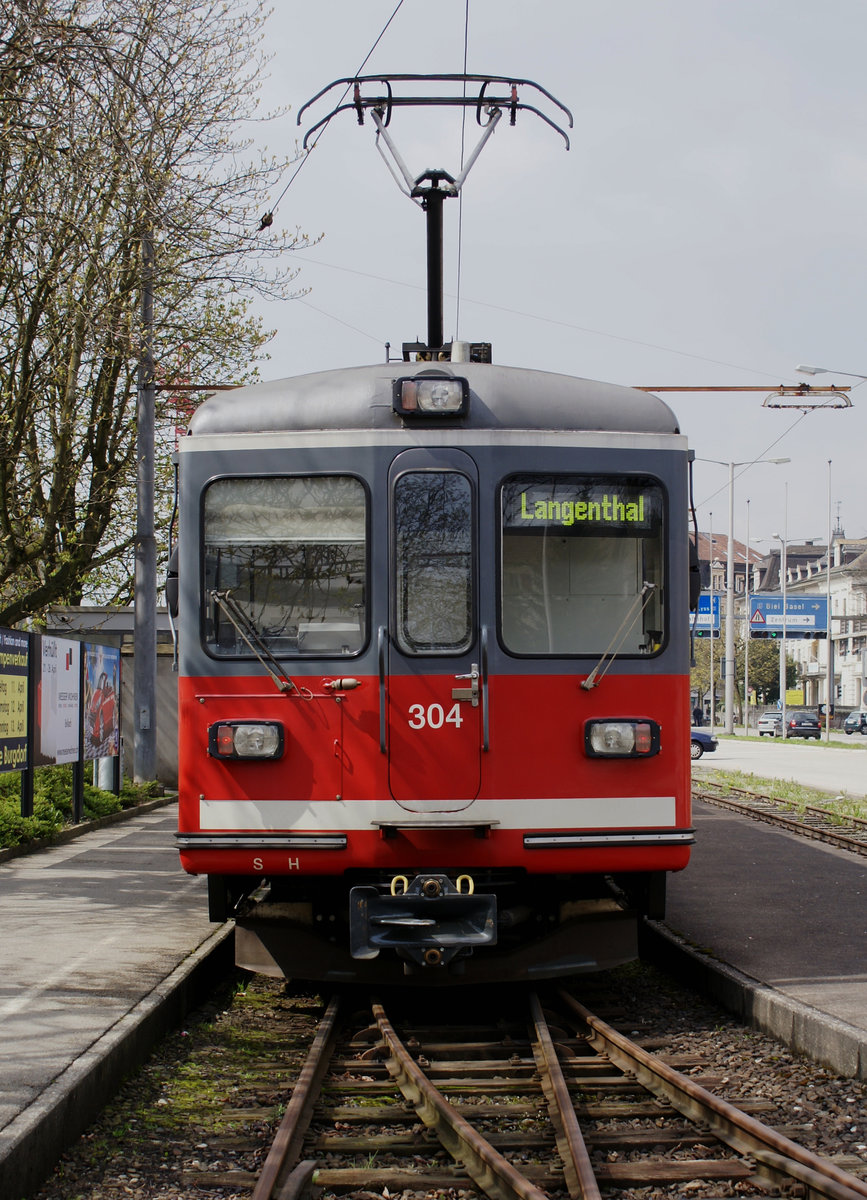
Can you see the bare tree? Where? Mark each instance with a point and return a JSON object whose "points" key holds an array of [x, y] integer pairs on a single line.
{"points": [[118, 118]]}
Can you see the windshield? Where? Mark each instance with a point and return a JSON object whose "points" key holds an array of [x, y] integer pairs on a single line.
{"points": [[292, 554], [577, 555]]}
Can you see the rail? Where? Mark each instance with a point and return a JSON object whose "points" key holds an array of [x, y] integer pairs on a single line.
{"points": [[776, 1157], [523, 1109], [845, 831]]}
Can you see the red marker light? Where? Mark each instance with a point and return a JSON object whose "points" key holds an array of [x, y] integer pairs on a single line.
{"points": [[225, 740]]}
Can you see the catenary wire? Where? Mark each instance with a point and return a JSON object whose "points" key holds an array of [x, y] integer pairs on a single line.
{"points": [[761, 454], [269, 216], [515, 312]]}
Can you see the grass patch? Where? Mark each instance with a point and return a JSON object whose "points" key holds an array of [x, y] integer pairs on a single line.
{"points": [[835, 742], [797, 796], [52, 804]]}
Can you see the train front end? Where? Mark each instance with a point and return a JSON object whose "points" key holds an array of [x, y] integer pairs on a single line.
{"points": [[434, 693]]}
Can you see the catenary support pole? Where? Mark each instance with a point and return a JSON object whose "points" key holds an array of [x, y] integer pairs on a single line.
{"points": [[144, 690]]}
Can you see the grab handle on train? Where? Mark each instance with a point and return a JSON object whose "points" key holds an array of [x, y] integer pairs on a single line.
{"points": [[380, 652]]}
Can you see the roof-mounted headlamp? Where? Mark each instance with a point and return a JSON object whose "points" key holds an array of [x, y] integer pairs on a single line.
{"points": [[431, 396]]}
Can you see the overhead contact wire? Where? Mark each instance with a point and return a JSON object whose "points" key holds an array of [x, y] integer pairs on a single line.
{"points": [[269, 216]]}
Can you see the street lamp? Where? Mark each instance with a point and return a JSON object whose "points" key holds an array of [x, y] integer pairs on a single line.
{"points": [[805, 370], [781, 538], [829, 641], [748, 567], [729, 677], [712, 682]]}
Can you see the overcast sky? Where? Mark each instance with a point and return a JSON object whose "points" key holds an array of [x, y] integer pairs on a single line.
{"points": [[708, 225]]}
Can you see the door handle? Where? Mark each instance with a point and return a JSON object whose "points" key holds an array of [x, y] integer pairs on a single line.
{"points": [[472, 692]]}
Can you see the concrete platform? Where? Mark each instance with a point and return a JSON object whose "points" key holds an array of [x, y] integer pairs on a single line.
{"points": [[776, 928], [97, 936]]}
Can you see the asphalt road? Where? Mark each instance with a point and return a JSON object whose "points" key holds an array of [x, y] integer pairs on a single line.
{"points": [[840, 768]]}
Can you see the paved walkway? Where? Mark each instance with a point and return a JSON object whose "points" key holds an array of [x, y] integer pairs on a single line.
{"points": [[91, 933]]}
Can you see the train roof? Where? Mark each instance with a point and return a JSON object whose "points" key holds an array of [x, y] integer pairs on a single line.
{"points": [[500, 398]]}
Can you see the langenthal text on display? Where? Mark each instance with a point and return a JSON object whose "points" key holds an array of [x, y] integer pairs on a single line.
{"points": [[596, 508]]}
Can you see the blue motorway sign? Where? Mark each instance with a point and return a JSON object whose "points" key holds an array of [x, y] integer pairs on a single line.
{"points": [[706, 620], [806, 616]]}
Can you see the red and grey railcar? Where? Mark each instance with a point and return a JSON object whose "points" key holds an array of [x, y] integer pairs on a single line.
{"points": [[434, 669]]}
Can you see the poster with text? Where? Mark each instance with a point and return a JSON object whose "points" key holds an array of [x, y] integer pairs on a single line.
{"points": [[101, 701], [14, 657], [58, 707]]}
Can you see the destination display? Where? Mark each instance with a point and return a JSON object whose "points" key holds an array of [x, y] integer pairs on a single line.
{"points": [[14, 664], [580, 504]]}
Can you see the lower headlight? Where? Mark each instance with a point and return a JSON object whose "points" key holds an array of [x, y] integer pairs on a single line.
{"points": [[621, 739], [246, 739]]}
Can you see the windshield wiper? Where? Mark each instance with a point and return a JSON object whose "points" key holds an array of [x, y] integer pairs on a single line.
{"points": [[251, 635], [636, 609]]}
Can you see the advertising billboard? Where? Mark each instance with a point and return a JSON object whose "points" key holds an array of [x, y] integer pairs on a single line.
{"points": [[101, 701], [14, 660], [57, 731]]}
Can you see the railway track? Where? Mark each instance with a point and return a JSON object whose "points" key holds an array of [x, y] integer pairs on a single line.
{"points": [[846, 832], [545, 1100]]}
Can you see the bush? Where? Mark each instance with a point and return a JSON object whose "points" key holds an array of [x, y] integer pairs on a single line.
{"points": [[15, 829], [52, 803]]}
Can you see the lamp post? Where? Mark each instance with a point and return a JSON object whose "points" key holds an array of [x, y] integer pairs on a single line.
{"points": [[747, 581], [829, 642], [729, 676], [145, 680], [829, 669], [781, 538], [712, 681]]}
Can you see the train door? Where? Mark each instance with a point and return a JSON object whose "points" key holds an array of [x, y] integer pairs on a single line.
{"points": [[429, 656]]}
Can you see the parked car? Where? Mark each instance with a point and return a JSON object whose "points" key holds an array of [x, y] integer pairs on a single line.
{"points": [[803, 724], [856, 722], [701, 742], [770, 723]]}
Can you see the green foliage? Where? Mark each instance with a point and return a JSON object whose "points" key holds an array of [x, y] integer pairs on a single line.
{"points": [[122, 124], [52, 804], [15, 829], [798, 795], [764, 669]]}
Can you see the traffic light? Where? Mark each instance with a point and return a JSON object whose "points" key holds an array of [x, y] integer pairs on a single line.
{"points": [[706, 633], [792, 635]]}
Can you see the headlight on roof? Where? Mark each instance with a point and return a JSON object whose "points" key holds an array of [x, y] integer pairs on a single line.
{"points": [[625, 738], [431, 396], [245, 739]]}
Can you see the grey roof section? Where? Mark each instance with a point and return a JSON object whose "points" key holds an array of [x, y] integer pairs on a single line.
{"points": [[500, 398]]}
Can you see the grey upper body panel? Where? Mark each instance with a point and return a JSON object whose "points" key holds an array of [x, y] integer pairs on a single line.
{"points": [[500, 398]]}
